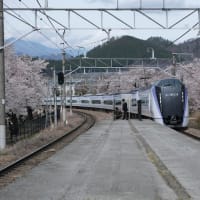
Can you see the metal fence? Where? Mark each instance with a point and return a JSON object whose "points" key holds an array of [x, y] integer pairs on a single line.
{"points": [[26, 128]]}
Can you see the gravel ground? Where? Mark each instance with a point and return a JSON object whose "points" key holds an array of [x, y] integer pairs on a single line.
{"points": [[23, 147]]}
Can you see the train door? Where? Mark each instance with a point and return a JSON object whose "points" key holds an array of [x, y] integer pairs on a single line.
{"points": [[116, 106]]}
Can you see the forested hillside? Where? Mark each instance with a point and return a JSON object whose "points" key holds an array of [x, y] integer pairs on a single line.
{"points": [[125, 47], [130, 47]]}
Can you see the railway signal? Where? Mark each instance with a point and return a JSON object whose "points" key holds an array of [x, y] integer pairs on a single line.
{"points": [[61, 78]]}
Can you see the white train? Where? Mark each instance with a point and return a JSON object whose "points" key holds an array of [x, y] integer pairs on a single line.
{"points": [[166, 102]]}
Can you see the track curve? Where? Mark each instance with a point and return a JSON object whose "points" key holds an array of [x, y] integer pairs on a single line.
{"points": [[9, 173]]}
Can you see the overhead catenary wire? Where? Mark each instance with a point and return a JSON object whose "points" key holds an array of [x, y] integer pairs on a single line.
{"points": [[45, 36], [41, 19], [50, 19], [20, 18], [185, 33], [31, 46], [53, 26], [24, 21], [12, 42], [22, 36], [43, 13]]}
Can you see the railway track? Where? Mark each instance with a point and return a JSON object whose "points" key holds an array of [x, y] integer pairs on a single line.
{"points": [[193, 133], [16, 169]]}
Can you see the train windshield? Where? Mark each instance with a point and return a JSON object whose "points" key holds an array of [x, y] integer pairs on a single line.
{"points": [[169, 83]]}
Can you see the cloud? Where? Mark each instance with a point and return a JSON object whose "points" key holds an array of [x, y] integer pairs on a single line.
{"points": [[13, 28], [87, 39], [150, 3]]}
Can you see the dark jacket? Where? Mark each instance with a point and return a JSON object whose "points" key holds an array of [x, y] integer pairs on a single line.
{"points": [[124, 107]]}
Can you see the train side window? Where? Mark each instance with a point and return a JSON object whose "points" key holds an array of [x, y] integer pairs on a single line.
{"points": [[84, 101], [145, 101], [134, 102], [96, 101], [73, 101], [118, 102], [108, 102]]}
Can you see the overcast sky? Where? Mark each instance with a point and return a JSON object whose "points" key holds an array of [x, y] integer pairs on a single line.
{"points": [[89, 38]]}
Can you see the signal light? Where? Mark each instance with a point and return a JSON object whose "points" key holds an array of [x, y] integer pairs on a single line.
{"points": [[61, 78]]}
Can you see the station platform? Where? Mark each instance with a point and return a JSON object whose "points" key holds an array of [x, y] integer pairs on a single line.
{"points": [[116, 160]]}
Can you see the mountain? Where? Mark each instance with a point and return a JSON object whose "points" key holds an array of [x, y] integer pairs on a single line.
{"points": [[124, 47], [160, 42], [191, 46], [35, 49], [131, 47], [127, 46]]}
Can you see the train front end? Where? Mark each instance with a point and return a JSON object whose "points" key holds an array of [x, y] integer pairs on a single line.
{"points": [[172, 100]]}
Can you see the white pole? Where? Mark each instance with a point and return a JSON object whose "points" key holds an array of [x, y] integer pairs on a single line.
{"points": [[55, 99], [129, 101], [64, 89], [2, 136], [2, 83], [70, 91]]}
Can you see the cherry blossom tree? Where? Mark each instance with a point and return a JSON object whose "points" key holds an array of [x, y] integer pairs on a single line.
{"points": [[25, 82]]}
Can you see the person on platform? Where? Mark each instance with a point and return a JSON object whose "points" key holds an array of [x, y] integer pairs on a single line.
{"points": [[124, 109]]}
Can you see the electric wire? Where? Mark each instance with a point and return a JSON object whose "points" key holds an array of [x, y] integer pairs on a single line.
{"points": [[45, 36], [185, 33], [43, 13], [17, 16], [62, 36], [29, 44], [53, 26], [20, 33]]}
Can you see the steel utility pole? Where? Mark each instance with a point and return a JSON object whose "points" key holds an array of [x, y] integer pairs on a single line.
{"points": [[64, 88], [70, 91], [2, 82], [174, 64], [55, 99]]}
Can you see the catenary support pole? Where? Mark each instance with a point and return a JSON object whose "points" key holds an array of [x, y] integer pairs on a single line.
{"points": [[70, 109], [64, 88], [55, 98], [174, 64], [2, 82]]}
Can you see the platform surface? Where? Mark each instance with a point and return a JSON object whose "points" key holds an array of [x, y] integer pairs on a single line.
{"points": [[115, 160]]}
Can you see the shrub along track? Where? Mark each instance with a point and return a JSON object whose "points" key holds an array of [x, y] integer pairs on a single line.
{"points": [[16, 169]]}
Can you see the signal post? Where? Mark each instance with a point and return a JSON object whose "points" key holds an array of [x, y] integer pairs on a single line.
{"points": [[64, 88]]}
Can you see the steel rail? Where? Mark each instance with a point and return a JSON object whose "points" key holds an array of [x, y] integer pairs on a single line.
{"points": [[27, 157]]}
